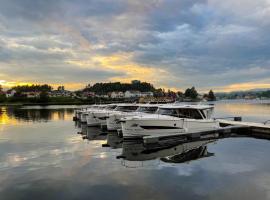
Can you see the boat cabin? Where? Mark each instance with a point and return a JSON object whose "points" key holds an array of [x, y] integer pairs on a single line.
{"points": [[126, 107], [147, 108], [187, 111]]}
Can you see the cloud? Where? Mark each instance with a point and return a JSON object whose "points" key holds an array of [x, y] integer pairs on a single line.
{"points": [[175, 44]]}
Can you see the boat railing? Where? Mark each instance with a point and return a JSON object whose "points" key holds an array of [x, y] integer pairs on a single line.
{"points": [[266, 122]]}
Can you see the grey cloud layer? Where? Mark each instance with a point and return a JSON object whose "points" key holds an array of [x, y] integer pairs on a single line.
{"points": [[193, 40]]}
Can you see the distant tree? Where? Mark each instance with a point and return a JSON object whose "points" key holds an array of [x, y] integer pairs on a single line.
{"points": [[61, 88], [265, 94], [2, 95], [104, 88], [171, 94], [180, 94], [211, 96], [158, 93], [191, 93], [32, 88], [44, 97]]}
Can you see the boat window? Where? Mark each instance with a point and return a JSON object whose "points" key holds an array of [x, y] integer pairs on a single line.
{"points": [[203, 112], [111, 107], [126, 108], [147, 109], [209, 112], [167, 111], [189, 113]]}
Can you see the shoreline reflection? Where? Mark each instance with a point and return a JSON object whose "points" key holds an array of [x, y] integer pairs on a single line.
{"points": [[12, 115]]}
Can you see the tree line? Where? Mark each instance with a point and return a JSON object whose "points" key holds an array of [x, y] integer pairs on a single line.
{"points": [[104, 88]]}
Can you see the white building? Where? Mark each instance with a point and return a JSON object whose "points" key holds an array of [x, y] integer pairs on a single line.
{"points": [[10, 93], [102, 95], [147, 94], [31, 94], [132, 94], [61, 93], [117, 95]]}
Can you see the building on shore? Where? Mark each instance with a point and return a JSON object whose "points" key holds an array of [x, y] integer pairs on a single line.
{"points": [[116, 95], [88, 94], [61, 92], [147, 94], [132, 94], [10, 93], [33, 94]]}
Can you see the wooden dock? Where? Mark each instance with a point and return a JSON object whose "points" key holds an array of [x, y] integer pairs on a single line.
{"points": [[253, 129], [228, 128]]}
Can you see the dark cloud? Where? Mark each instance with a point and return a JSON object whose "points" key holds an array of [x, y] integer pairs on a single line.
{"points": [[191, 39]]}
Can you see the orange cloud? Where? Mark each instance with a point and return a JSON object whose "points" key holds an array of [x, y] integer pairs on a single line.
{"points": [[242, 86], [122, 62], [9, 84], [70, 86]]}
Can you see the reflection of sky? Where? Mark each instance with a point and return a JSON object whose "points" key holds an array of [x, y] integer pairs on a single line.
{"points": [[249, 110], [50, 161], [13, 115]]}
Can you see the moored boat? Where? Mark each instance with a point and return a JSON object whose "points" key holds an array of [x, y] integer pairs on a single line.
{"points": [[170, 119]]}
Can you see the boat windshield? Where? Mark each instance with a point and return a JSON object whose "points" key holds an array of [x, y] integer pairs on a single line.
{"points": [[189, 113], [181, 113], [111, 107], [126, 108], [147, 109], [167, 111]]}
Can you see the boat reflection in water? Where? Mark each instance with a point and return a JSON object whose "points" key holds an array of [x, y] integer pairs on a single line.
{"points": [[90, 133], [136, 151], [177, 153], [114, 141]]}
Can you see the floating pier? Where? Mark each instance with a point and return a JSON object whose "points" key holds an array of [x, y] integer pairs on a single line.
{"points": [[229, 129], [253, 129]]}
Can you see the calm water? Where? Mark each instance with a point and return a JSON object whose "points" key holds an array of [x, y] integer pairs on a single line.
{"points": [[43, 157]]}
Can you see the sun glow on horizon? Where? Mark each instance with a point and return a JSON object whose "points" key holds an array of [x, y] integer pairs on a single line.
{"points": [[123, 63]]}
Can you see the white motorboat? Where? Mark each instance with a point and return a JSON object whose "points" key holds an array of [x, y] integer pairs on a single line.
{"points": [[113, 120], [170, 119], [84, 113], [98, 117]]}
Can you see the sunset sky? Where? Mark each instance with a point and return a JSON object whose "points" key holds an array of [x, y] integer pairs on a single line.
{"points": [[211, 44]]}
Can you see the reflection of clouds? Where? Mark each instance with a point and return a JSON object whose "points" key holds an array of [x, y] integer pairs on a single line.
{"points": [[59, 159], [74, 140], [231, 168], [263, 180], [183, 169], [44, 157]]}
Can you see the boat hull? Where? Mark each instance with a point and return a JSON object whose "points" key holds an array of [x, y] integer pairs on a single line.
{"points": [[162, 127], [92, 121], [147, 127]]}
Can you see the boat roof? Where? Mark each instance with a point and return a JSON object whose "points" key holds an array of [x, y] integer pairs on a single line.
{"points": [[187, 106], [148, 105], [127, 104]]}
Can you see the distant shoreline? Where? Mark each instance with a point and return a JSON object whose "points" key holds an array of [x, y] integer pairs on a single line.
{"points": [[42, 104]]}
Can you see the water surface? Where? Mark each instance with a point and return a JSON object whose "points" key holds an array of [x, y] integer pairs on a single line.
{"points": [[43, 157]]}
